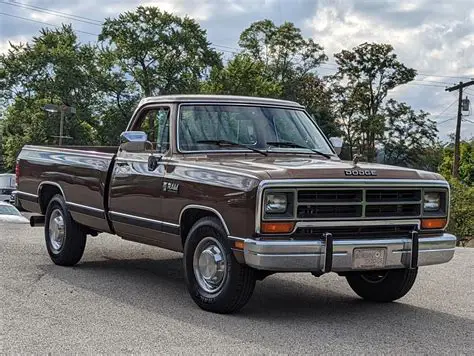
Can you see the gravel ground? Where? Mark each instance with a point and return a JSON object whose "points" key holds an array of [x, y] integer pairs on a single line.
{"points": [[129, 298]]}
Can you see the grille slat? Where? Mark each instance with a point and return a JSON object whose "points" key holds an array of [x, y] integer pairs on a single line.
{"points": [[392, 210], [327, 211], [392, 195], [327, 196]]}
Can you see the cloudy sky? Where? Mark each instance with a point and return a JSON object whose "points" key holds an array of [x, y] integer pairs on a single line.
{"points": [[436, 37]]}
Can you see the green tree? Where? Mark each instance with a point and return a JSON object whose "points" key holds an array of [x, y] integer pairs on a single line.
{"points": [[461, 221], [241, 76], [466, 163], [286, 54], [161, 52], [26, 123], [291, 61], [53, 68], [408, 136], [369, 71]]}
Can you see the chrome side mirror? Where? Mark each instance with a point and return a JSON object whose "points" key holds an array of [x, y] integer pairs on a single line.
{"points": [[133, 141], [337, 143]]}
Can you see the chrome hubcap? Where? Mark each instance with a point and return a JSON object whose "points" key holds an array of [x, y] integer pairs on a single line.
{"points": [[57, 232], [210, 264]]}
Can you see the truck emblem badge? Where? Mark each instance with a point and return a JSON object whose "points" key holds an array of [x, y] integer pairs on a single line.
{"points": [[360, 172], [170, 187]]}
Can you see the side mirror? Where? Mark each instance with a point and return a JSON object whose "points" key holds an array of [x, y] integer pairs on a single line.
{"points": [[337, 143], [133, 141]]}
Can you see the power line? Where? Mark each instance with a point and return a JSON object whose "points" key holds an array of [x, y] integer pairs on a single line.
{"points": [[446, 109], [444, 121], [53, 12], [442, 76], [432, 81], [425, 85], [45, 23]]}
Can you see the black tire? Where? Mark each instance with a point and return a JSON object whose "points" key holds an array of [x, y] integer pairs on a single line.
{"points": [[382, 286], [70, 251], [239, 281]]}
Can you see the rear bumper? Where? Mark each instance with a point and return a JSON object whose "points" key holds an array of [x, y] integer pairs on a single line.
{"points": [[293, 256]]}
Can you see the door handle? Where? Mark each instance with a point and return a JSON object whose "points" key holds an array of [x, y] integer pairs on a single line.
{"points": [[153, 162]]}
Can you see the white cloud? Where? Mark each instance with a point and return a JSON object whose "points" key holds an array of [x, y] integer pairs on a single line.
{"points": [[441, 42], [5, 43]]}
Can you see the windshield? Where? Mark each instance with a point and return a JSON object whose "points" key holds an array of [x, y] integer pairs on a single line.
{"points": [[254, 126], [8, 210]]}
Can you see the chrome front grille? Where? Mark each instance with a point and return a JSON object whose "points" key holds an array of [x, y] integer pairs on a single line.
{"points": [[357, 203]]}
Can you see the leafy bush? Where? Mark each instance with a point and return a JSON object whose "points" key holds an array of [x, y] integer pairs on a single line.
{"points": [[461, 221]]}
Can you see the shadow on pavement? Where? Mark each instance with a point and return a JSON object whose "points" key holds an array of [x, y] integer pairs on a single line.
{"points": [[306, 312]]}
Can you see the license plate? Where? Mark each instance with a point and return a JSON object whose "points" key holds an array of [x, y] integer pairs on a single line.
{"points": [[369, 258]]}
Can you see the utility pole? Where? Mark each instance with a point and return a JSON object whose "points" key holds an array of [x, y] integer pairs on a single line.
{"points": [[61, 128], [62, 109], [457, 138]]}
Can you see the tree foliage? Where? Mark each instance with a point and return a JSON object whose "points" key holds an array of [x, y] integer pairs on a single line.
{"points": [[368, 72], [242, 76], [53, 68], [408, 135], [466, 162], [163, 53], [461, 221]]}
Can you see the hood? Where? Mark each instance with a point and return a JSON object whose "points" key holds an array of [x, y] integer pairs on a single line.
{"points": [[303, 167], [13, 219]]}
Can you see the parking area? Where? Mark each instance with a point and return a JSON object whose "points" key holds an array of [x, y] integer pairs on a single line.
{"points": [[129, 298]]}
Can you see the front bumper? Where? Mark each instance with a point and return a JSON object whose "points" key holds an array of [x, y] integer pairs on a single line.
{"points": [[310, 256]]}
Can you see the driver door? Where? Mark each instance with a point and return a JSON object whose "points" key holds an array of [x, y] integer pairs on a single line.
{"points": [[136, 196]]}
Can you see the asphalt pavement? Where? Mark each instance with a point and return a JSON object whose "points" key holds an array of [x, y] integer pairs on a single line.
{"points": [[129, 298]]}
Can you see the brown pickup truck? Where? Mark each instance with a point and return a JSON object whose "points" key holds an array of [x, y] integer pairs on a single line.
{"points": [[244, 187]]}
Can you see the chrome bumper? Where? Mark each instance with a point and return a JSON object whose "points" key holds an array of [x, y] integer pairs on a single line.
{"points": [[294, 256]]}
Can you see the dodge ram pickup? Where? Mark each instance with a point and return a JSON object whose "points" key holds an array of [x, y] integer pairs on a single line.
{"points": [[244, 187]]}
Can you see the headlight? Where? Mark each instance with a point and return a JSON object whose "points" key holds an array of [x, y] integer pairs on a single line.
{"points": [[275, 203], [431, 201]]}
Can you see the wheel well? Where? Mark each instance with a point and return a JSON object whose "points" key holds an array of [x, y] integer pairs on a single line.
{"points": [[189, 218], [47, 192]]}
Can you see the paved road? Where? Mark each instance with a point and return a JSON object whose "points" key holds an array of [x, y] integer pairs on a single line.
{"points": [[128, 298]]}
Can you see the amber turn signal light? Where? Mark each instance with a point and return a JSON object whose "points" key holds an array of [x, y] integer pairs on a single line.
{"points": [[433, 223], [239, 244], [277, 227]]}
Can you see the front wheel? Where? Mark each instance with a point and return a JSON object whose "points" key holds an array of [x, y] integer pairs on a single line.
{"points": [[382, 286], [214, 278]]}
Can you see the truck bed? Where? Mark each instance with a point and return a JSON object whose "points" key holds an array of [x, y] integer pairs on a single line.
{"points": [[78, 172]]}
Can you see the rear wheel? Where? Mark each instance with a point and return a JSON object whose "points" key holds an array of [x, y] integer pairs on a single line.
{"points": [[214, 278], [65, 240], [382, 286]]}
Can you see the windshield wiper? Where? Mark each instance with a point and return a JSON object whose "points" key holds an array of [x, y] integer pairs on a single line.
{"points": [[223, 143], [295, 145]]}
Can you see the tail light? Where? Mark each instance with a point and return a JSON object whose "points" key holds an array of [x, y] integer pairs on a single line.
{"points": [[17, 173]]}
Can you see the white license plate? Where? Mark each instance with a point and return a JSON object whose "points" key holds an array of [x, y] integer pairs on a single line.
{"points": [[369, 258]]}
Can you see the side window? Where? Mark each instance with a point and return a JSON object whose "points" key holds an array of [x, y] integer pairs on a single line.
{"points": [[156, 124]]}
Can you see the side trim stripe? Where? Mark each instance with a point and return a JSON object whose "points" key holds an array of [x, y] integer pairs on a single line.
{"points": [[145, 222], [27, 196], [87, 210]]}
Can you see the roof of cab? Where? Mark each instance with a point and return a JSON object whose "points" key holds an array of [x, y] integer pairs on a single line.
{"points": [[218, 98]]}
